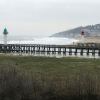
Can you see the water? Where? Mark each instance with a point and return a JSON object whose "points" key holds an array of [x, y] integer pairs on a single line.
{"points": [[43, 40], [47, 41], [56, 55]]}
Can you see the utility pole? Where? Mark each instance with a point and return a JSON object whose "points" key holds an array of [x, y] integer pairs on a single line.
{"points": [[5, 32]]}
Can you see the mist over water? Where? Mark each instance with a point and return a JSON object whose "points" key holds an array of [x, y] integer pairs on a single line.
{"points": [[38, 40]]}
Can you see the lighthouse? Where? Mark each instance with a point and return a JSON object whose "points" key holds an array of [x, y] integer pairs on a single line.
{"points": [[5, 33], [82, 37]]}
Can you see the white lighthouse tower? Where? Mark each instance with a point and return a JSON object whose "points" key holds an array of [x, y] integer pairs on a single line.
{"points": [[82, 36], [5, 32]]}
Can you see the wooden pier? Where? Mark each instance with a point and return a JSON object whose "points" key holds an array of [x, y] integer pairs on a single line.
{"points": [[79, 49]]}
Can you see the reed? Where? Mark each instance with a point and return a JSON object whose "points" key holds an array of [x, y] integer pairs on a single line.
{"points": [[36, 78]]}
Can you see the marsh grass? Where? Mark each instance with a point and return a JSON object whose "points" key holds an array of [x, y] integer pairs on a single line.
{"points": [[42, 78]]}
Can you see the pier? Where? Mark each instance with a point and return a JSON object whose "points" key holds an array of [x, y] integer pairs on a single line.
{"points": [[79, 49]]}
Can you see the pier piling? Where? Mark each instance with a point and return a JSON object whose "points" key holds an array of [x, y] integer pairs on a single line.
{"points": [[50, 49]]}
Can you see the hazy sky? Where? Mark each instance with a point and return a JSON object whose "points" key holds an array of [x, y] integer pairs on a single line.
{"points": [[45, 17]]}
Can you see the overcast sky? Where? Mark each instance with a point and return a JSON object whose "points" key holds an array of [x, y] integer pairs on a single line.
{"points": [[45, 17]]}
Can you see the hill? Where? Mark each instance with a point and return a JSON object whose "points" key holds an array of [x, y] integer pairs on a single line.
{"points": [[90, 30]]}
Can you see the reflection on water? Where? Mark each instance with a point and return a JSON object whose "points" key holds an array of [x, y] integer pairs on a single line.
{"points": [[57, 55]]}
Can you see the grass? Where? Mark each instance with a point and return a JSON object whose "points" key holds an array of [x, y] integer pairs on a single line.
{"points": [[52, 66], [52, 78]]}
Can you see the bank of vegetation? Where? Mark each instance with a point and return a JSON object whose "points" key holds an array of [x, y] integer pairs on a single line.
{"points": [[41, 78]]}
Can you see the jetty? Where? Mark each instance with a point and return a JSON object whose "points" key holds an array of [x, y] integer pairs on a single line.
{"points": [[80, 48], [83, 47]]}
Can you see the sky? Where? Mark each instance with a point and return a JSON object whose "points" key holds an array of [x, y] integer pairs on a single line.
{"points": [[46, 17]]}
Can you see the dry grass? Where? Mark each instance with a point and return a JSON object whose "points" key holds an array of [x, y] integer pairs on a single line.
{"points": [[40, 78]]}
